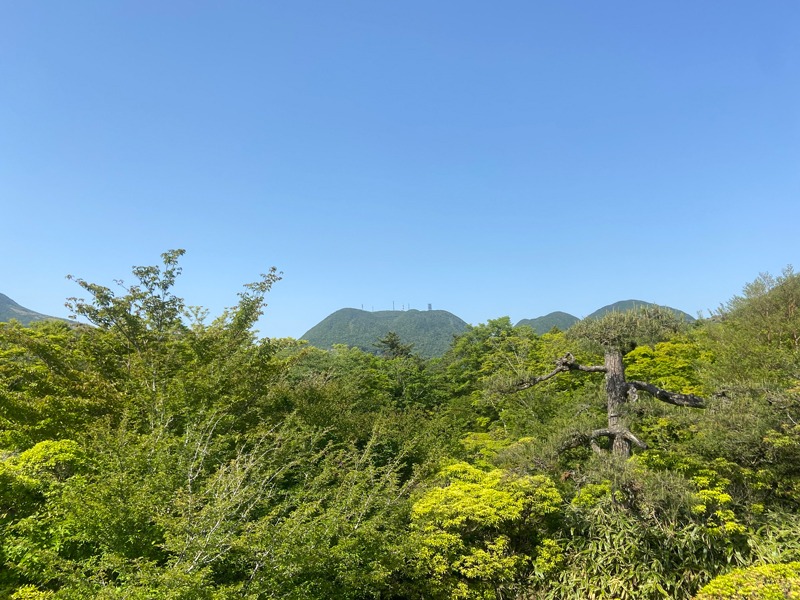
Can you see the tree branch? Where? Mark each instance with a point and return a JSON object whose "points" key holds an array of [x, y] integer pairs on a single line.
{"points": [[612, 433], [669, 397], [575, 440], [580, 439], [596, 434], [632, 438], [565, 363]]}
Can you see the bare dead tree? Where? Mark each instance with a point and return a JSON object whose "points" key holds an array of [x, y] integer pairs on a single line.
{"points": [[617, 334]]}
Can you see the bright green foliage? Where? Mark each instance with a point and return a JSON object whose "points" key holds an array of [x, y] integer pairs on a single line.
{"points": [[589, 495], [484, 533], [758, 338], [30, 592], [763, 582], [50, 392], [669, 365], [487, 357], [464, 361], [154, 456]]}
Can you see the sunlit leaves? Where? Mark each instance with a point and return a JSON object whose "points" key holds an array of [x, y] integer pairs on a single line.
{"points": [[477, 532]]}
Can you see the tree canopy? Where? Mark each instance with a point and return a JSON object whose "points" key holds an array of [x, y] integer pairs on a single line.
{"points": [[151, 453]]}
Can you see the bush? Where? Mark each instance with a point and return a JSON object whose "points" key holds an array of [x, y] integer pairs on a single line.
{"points": [[764, 582]]}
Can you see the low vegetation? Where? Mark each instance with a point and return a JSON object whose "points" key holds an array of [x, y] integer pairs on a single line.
{"points": [[156, 455]]}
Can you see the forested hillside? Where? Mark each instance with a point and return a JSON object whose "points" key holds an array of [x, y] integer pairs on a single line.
{"points": [[430, 331], [11, 310], [157, 455], [540, 325], [564, 321], [626, 305]]}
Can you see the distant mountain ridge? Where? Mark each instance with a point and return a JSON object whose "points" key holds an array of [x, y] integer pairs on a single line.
{"points": [[564, 320], [544, 324], [626, 305], [431, 331], [11, 310]]}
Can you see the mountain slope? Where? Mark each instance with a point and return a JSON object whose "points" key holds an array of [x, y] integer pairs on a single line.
{"points": [[564, 320], [626, 305], [431, 331], [544, 324], [11, 310]]}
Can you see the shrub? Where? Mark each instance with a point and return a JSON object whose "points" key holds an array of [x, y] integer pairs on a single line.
{"points": [[763, 582]]}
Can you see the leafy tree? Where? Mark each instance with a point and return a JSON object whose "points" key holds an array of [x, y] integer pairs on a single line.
{"points": [[156, 455], [763, 582], [464, 361], [173, 467], [484, 534]]}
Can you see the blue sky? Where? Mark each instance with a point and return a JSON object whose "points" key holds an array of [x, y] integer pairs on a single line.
{"points": [[504, 158]]}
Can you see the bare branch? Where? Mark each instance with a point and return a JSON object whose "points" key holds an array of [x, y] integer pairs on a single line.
{"points": [[597, 433], [612, 433], [563, 364], [669, 397], [581, 439], [575, 440], [632, 438]]}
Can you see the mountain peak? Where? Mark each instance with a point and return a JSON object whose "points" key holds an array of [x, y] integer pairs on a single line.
{"points": [[564, 320], [626, 305], [431, 331], [11, 310]]}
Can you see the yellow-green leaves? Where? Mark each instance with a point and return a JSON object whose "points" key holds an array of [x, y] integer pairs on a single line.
{"points": [[590, 494], [763, 582], [478, 531], [50, 460], [670, 365]]}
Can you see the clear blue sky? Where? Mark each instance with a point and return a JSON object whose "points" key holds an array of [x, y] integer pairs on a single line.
{"points": [[491, 158]]}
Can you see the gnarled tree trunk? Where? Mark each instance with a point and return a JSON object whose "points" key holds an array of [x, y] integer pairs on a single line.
{"points": [[617, 393]]}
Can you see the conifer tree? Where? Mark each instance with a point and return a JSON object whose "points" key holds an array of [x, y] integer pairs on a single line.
{"points": [[393, 347], [616, 334]]}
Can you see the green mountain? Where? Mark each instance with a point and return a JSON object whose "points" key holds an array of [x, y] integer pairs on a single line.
{"points": [[431, 331], [544, 324], [564, 320], [11, 310], [626, 305]]}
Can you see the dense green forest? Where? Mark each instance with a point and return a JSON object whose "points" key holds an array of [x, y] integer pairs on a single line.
{"points": [[564, 321], [431, 331], [155, 454], [544, 324], [625, 305]]}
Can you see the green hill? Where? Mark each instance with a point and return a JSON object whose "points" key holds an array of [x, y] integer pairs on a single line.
{"points": [[431, 331], [626, 305], [544, 324], [11, 310], [564, 320]]}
